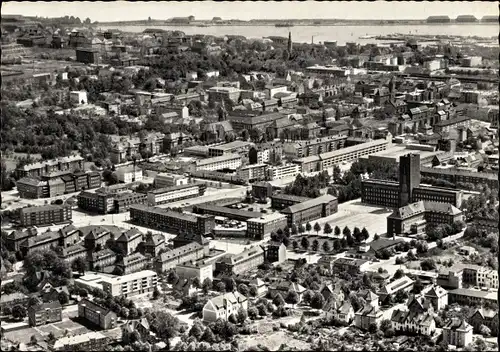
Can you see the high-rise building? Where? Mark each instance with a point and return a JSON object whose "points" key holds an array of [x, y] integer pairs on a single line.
{"points": [[409, 177]]}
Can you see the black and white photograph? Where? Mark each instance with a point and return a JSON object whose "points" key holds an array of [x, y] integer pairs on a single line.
{"points": [[249, 176]]}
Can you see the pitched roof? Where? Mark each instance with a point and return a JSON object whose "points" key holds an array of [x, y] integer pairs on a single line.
{"points": [[94, 307], [396, 285], [309, 203], [177, 252], [232, 297], [458, 324]]}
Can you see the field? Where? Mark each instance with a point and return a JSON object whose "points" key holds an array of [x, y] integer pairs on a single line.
{"points": [[40, 332]]}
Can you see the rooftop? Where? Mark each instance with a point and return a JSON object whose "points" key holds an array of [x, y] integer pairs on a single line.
{"points": [[310, 203]]}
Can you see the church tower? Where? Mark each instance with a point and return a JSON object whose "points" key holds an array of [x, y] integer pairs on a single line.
{"points": [[289, 43]]}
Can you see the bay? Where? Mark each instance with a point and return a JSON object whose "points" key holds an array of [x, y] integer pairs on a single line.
{"points": [[341, 34]]}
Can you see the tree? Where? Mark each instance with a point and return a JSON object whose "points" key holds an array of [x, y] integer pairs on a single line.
{"points": [[357, 234], [326, 246], [294, 229], [196, 331], [372, 328], [292, 298], [327, 229], [337, 231], [124, 312], [79, 265], [317, 301], [63, 297], [365, 234], [172, 277], [307, 296], [243, 289], [253, 291], [399, 274], [302, 229], [206, 285], [242, 315], [315, 245], [208, 335], [156, 293], [196, 282], [308, 227], [220, 287], [418, 286], [83, 292], [253, 313], [295, 244], [18, 312], [428, 264], [484, 330], [278, 300], [304, 242], [317, 228], [33, 340]]}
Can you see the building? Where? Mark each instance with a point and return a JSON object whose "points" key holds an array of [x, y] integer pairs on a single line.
{"points": [[101, 259], [391, 194], [91, 341], [69, 254], [45, 313], [366, 316], [275, 252], [108, 202], [316, 146], [14, 239], [129, 174], [349, 265], [417, 318], [310, 210], [230, 213], [78, 98], [221, 94], [87, 55], [224, 162], [457, 176], [282, 171], [223, 306], [457, 332], [414, 217], [486, 317], [201, 269], [186, 253], [69, 164], [45, 215], [281, 201], [438, 297], [165, 180], [259, 227], [236, 147], [131, 284], [402, 284], [97, 315], [471, 296], [132, 263], [129, 241], [235, 264], [175, 193], [153, 244], [12, 299], [252, 173], [167, 219], [328, 160], [284, 286]]}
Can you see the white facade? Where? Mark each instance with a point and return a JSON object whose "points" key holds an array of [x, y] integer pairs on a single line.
{"points": [[221, 307], [171, 195], [168, 180], [487, 278], [228, 161], [131, 284], [127, 175], [198, 270], [283, 171], [79, 98]]}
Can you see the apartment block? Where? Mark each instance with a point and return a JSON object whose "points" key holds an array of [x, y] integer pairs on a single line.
{"points": [[251, 173], [281, 201], [189, 252], [70, 163], [129, 241], [175, 193], [97, 315], [170, 220], [201, 269], [91, 341], [45, 313], [236, 147], [235, 264], [259, 227], [283, 171], [131, 284], [227, 161], [45, 215], [165, 180]]}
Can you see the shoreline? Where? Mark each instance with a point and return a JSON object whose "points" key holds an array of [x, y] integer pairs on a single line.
{"points": [[205, 25]]}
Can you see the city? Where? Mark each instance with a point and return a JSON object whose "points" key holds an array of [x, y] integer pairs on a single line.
{"points": [[166, 191]]}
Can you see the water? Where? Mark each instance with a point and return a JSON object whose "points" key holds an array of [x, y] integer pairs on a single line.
{"points": [[341, 34]]}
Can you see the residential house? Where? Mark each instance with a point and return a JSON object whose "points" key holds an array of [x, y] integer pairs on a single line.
{"points": [[221, 307], [12, 299], [239, 263], [153, 244], [402, 284], [366, 316], [101, 259], [133, 262], [417, 318], [92, 341], [438, 297], [184, 287], [275, 252], [284, 286], [45, 313], [51, 294], [329, 291], [139, 325], [457, 332], [343, 312], [97, 315], [486, 317], [129, 241]]}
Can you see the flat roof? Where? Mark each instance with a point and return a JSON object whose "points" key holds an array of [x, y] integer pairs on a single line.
{"points": [[354, 148], [310, 203], [268, 217], [173, 188], [133, 276], [217, 159], [229, 211], [231, 145]]}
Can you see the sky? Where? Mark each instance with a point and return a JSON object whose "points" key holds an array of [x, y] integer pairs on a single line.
{"points": [[126, 11]]}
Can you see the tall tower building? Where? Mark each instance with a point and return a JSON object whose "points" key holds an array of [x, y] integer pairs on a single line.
{"points": [[289, 43], [409, 177]]}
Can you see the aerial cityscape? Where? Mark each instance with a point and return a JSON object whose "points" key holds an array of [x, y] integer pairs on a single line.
{"points": [[173, 179]]}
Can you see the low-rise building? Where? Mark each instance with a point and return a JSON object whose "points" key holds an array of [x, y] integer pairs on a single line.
{"points": [[45, 313], [284, 286], [69, 254], [350, 265], [165, 180], [471, 296], [275, 252], [486, 317], [129, 241], [417, 318], [223, 306], [281, 201], [101, 259], [438, 297], [402, 284], [92, 341], [201, 269], [170, 259], [366, 316], [129, 174], [132, 263], [12, 299]]}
